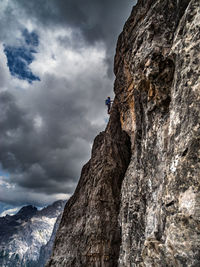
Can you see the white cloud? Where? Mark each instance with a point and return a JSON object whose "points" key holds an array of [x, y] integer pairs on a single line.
{"points": [[10, 212]]}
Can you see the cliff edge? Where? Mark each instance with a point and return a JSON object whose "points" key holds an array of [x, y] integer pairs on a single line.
{"points": [[137, 201]]}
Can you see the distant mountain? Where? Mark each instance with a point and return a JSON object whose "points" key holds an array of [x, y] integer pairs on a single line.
{"points": [[27, 234]]}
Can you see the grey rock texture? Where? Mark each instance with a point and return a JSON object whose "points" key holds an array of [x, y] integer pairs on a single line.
{"points": [[155, 178]]}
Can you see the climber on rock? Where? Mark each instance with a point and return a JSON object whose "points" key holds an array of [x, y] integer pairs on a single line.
{"points": [[108, 103]]}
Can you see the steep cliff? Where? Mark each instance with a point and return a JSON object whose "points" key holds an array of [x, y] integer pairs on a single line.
{"points": [[89, 230], [137, 201]]}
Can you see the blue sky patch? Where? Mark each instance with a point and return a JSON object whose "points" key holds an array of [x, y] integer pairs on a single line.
{"points": [[5, 174], [19, 58], [31, 38]]}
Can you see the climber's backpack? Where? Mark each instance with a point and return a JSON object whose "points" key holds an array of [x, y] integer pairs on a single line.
{"points": [[107, 102]]}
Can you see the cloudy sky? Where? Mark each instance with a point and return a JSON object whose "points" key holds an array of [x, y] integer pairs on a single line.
{"points": [[56, 61]]}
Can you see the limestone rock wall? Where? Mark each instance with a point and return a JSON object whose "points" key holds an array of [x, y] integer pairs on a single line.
{"points": [[158, 88], [137, 201]]}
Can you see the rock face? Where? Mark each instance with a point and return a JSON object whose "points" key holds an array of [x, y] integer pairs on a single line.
{"points": [[89, 230], [22, 236], [137, 201]]}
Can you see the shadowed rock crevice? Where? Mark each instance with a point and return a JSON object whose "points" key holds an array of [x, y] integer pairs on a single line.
{"points": [[181, 7]]}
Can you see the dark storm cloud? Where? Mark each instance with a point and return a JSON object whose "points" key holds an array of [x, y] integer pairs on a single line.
{"points": [[98, 20], [11, 116], [45, 153]]}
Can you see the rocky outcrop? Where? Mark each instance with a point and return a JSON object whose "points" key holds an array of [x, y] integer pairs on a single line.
{"points": [[137, 204], [23, 234], [89, 232]]}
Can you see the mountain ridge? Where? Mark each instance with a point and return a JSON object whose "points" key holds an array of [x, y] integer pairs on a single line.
{"points": [[23, 234]]}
